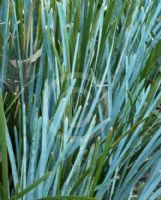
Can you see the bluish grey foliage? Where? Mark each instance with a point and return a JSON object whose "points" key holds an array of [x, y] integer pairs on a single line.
{"points": [[89, 84]]}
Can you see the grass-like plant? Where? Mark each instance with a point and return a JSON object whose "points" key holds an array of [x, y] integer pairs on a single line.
{"points": [[80, 83]]}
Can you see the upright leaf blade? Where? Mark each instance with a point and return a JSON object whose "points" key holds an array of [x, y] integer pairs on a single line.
{"points": [[3, 149]]}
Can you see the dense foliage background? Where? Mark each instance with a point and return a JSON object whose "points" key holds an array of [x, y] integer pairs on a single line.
{"points": [[79, 107]]}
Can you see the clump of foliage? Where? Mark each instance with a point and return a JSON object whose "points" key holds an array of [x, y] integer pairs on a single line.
{"points": [[80, 85]]}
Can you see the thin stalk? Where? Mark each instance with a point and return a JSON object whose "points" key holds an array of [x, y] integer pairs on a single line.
{"points": [[3, 147]]}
